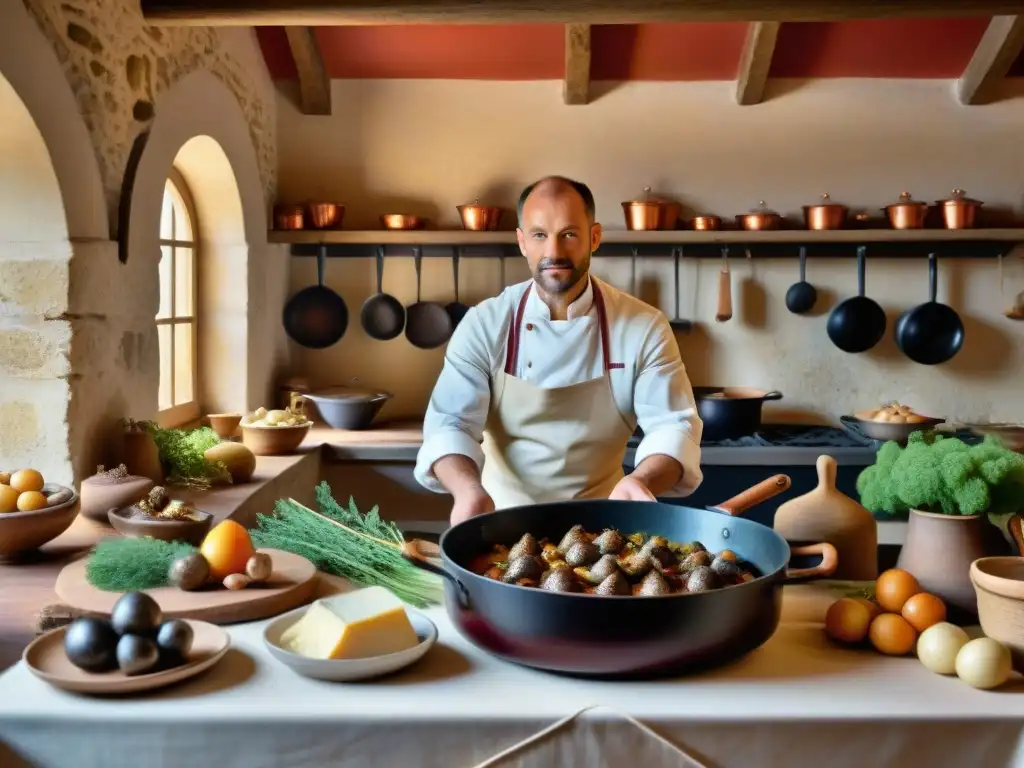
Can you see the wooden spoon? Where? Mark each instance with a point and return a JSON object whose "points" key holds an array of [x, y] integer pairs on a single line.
{"points": [[724, 289]]}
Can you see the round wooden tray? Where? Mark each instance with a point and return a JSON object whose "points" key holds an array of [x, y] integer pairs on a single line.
{"points": [[292, 584], [46, 659]]}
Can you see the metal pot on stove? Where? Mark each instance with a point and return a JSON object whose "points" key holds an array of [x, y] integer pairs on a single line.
{"points": [[731, 412]]}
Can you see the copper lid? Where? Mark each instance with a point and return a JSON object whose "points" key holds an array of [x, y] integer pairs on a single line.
{"points": [[906, 199], [826, 202], [957, 197]]}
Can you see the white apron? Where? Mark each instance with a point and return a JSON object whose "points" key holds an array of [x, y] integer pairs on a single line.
{"points": [[553, 444]]}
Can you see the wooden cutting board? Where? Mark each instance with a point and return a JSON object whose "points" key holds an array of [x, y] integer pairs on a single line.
{"points": [[292, 583]]}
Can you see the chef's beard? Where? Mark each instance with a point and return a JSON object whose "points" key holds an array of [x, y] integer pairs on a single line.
{"points": [[556, 285]]}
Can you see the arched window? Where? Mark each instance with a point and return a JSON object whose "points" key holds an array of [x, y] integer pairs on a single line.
{"points": [[176, 317]]}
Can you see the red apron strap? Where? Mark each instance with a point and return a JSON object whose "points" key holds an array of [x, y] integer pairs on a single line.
{"points": [[512, 346], [512, 351]]}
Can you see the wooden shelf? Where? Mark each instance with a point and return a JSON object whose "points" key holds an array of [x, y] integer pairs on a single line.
{"points": [[460, 237]]}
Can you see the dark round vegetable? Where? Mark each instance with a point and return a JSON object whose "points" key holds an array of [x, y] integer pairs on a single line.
{"points": [[527, 545], [136, 613], [189, 572], [561, 580], [91, 644], [702, 579], [136, 655], [524, 567], [174, 640], [582, 553], [615, 584]]}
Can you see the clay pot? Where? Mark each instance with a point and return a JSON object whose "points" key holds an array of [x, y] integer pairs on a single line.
{"points": [[939, 550], [999, 582]]}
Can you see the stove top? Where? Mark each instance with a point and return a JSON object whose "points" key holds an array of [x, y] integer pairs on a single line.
{"points": [[803, 436]]}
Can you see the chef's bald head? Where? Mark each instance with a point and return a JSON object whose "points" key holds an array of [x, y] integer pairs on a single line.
{"points": [[554, 186]]}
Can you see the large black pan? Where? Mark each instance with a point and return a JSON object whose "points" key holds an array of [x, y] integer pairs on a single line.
{"points": [[611, 637], [427, 324], [858, 323], [930, 333], [316, 317], [382, 315]]}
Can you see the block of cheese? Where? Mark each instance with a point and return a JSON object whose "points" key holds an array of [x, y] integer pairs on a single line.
{"points": [[355, 625]]}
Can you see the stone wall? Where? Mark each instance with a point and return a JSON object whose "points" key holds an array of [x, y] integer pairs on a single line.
{"points": [[118, 67]]}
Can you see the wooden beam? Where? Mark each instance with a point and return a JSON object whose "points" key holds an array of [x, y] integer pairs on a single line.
{"points": [[314, 84], [249, 13], [998, 49], [576, 87], [756, 60]]}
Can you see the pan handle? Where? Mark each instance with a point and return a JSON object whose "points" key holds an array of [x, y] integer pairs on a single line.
{"points": [[827, 566], [751, 497], [427, 556]]}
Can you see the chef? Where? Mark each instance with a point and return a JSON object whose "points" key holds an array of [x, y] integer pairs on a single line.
{"points": [[543, 385]]}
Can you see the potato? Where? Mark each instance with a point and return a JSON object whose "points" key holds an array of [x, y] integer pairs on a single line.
{"points": [[239, 460]]}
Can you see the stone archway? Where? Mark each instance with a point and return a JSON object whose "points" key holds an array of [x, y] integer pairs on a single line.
{"points": [[50, 197]]}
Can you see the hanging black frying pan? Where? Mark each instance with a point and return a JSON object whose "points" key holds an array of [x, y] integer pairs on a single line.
{"points": [[316, 317], [629, 636], [930, 333], [427, 324], [382, 315], [858, 323], [456, 309]]}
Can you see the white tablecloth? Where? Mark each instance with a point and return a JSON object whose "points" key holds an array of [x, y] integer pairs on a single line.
{"points": [[796, 701]]}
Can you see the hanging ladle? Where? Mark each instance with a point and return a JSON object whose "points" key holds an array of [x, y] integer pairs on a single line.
{"points": [[677, 323], [801, 296], [724, 312]]}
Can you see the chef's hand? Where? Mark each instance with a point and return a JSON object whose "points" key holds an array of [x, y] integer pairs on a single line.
{"points": [[470, 503], [630, 488]]}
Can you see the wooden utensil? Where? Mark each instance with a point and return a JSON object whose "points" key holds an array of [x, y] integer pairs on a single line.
{"points": [[46, 659], [292, 584], [827, 514], [724, 289]]}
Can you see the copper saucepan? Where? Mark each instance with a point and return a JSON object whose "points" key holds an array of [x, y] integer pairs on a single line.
{"points": [[907, 213], [959, 211], [759, 218], [479, 218], [651, 212], [402, 221], [706, 223], [825, 215]]}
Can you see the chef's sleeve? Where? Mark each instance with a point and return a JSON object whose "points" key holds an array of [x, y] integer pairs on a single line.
{"points": [[665, 407], [454, 422]]}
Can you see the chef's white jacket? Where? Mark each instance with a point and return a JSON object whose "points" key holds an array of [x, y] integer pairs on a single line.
{"points": [[653, 387]]}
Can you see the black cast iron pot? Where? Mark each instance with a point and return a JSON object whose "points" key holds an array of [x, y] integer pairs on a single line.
{"points": [[609, 637], [730, 412]]}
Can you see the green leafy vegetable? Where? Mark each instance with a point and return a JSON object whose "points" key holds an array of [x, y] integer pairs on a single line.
{"points": [[343, 552], [182, 455], [936, 473], [121, 564]]}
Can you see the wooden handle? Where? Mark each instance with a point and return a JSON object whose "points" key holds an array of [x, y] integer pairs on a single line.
{"points": [[751, 497], [724, 295], [1015, 525], [827, 566], [826, 471]]}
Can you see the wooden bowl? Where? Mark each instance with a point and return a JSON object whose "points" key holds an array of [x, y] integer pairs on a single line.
{"points": [[999, 586], [25, 531], [274, 441], [224, 424], [192, 531]]}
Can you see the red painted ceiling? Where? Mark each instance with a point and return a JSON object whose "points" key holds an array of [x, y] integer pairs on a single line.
{"points": [[932, 48]]}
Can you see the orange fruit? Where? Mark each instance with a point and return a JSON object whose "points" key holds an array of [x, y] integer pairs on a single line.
{"points": [[227, 548], [30, 501], [873, 608], [8, 499], [847, 620], [894, 587], [924, 610], [27, 480], [891, 634]]}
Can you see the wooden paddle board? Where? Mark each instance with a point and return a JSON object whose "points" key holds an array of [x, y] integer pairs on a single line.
{"points": [[292, 583]]}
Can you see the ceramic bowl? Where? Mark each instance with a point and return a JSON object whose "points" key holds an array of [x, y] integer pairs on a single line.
{"points": [[891, 430], [191, 531], [274, 441], [224, 424], [348, 670], [999, 585], [25, 531]]}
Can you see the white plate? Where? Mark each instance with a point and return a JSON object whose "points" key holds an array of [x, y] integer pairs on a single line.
{"points": [[348, 670]]}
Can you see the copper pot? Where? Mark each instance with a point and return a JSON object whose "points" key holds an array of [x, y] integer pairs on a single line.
{"points": [[479, 218], [289, 217], [402, 221], [706, 223], [825, 215], [907, 213], [651, 213], [959, 212], [759, 218], [326, 215]]}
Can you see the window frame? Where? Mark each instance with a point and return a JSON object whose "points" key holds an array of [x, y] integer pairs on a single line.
{"points": [[182, 413]]}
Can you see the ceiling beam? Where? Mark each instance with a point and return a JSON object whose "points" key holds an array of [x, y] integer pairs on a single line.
{"points": [[314, 84], [755, 61], [998, 49], [249, 13], [576, 87]]}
